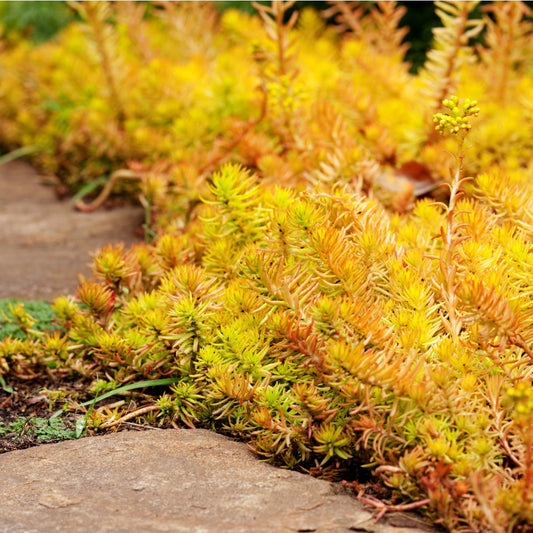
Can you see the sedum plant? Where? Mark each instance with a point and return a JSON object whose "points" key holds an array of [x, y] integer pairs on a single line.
{"points": [[327, 279], [291, 98], [332, 335]]}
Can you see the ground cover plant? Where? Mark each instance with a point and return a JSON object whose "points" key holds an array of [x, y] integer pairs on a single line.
{"points": [[338, 266], [13, 313], [42, 428]]}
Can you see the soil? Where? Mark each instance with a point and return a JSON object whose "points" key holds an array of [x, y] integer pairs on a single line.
{"points": [[29, 401]]}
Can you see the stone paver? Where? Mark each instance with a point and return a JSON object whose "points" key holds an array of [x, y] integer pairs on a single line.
{"points": [[190, 481], [45, 243]]}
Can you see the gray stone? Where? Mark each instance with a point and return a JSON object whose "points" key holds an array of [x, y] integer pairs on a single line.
{"points": [[190, 481], [45, 243]]}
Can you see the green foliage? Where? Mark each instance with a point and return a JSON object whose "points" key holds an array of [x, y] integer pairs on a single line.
{"points": [[308, 288], [330, 338], [38, 21], [40, 428], [17, 317]]}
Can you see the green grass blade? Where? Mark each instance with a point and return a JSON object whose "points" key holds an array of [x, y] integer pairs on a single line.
{"points": [[88, 188], [124, 388], [15, 154]]}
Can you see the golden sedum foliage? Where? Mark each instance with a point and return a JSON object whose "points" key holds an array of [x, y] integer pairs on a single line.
{"points": [[179, 95], [319, 296], [340, 108], [315, 325]]}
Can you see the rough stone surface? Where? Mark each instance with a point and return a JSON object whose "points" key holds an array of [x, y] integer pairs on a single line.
{"points": [[190, 481], [45, 243]]}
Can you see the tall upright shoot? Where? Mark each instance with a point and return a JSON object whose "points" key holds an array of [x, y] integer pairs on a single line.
{"points": [[96, 15], [456, 121]]}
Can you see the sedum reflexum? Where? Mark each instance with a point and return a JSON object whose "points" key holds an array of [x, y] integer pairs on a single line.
{"points": [[326, 331], [123, 93], [317, 282]]}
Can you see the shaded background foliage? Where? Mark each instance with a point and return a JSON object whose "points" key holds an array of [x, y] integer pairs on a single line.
{"points": [[40, 21]]}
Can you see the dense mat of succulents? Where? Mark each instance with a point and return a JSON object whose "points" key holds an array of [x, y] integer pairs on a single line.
{"points": [[322, 276]]}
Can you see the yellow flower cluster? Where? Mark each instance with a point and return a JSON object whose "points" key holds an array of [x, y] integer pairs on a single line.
{"points": [[458, 118]]}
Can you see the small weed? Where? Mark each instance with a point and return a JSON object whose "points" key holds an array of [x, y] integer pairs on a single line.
{"points": [[40, 310], [5, 386], [40, 428]]}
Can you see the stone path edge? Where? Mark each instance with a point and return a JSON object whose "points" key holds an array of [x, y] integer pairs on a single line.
{"points": [[187, 480]]}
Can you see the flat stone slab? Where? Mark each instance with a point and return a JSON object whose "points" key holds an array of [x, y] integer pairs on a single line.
{"points": [[45, 243], [190, 481]]}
